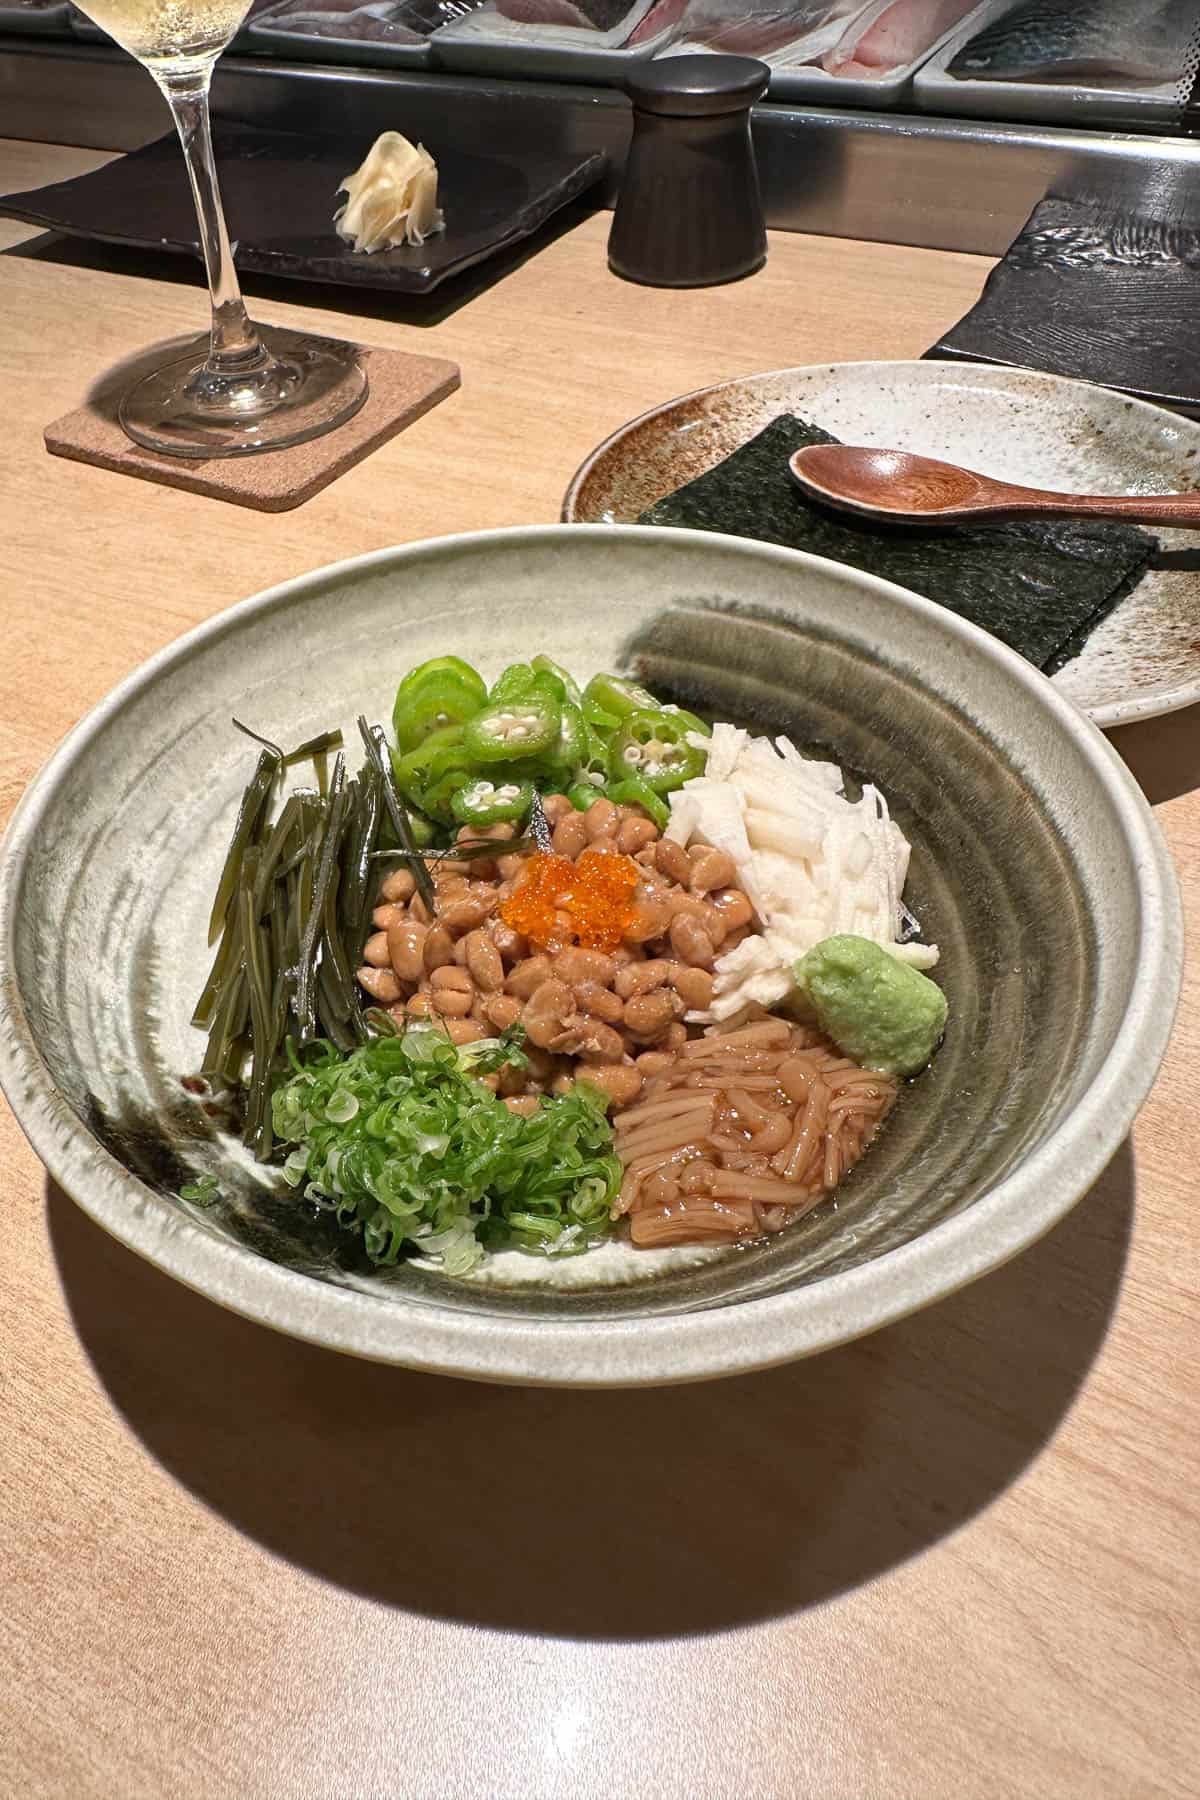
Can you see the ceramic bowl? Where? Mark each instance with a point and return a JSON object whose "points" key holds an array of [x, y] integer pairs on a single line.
{"points": [[1037, 867]]}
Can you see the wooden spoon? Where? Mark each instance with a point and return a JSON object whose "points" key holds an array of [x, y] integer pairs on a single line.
{"points": [[917, 490]]}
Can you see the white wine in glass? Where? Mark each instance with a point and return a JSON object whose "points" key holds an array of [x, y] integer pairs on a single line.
{"points": [[253, 391]]}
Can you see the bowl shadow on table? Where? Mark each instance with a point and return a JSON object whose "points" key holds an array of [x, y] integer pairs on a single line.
{"points": [[1163, 754], [605, 1515], [428, 309]]}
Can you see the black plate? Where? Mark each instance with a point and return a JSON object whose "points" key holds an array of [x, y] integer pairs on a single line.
{"points": [[1099, 288], [280, 195]]}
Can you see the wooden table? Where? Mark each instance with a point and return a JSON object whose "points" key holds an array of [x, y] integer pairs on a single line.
{"points": [[956, 1561]]}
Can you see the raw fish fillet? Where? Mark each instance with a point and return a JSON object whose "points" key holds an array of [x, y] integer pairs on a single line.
{"points": [[1140, 42], [362, 26], [739, 28], [664, 15], [588, 15], [892, 36], [349, 19], [294, 11], [566, 24], [751, 34]]}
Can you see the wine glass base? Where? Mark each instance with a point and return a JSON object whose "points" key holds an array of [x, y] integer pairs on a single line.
{"points": [[299, 388]]}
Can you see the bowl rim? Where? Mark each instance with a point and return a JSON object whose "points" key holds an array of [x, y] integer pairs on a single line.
{"points": [[745, 1335], [1113, 712]]}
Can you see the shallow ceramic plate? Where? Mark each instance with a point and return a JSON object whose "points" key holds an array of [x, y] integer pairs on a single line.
{"points": [[1037, 867], [1039, 429]]}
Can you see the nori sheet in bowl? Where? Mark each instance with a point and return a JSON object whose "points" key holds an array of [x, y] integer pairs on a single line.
{"points": [[1040, 588]]}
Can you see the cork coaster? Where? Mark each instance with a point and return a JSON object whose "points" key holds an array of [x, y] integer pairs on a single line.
{"points": [[401, 388]]}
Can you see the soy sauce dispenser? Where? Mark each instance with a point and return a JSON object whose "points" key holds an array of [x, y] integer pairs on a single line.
{"points": [[689, 213]]}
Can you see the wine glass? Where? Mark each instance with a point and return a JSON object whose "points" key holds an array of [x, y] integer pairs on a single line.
{"points": [[255, 390]]}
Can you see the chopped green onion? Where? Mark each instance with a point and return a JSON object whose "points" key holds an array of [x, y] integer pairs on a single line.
{"points": [[204, 1191], [404, 1143]]}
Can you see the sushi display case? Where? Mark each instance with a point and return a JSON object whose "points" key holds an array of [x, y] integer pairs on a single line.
{"points": [[836, 52], [1126, 65]]}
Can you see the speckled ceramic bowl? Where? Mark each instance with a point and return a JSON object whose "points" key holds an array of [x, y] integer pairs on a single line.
{"points": [[1037, 868], [1142, 660]]}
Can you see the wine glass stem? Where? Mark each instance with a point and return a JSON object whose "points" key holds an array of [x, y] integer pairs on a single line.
{"points": [[234, 347]]}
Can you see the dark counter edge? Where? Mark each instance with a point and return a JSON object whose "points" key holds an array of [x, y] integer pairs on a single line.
{"points": [[938, 183]]}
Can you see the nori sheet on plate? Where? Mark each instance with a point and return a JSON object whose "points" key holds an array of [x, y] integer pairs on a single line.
{"points": [[1040, 588]]}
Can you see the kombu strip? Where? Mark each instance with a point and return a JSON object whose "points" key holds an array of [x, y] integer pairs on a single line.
{"points": [[1040, 587]]}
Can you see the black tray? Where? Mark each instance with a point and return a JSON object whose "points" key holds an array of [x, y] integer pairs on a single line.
{"points": [[280, 193], [1101, 288]]}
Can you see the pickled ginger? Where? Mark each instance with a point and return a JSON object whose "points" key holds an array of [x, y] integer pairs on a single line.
{"points": [[392, 197]]}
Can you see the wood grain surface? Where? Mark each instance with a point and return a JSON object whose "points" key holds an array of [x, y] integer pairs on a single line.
{"points": [[957, 1561]]}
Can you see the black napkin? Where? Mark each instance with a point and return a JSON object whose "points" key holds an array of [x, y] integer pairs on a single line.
{"points": [[1040, 588], [1098, 287]]}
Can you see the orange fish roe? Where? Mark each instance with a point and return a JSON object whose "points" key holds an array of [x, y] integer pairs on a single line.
{"points": [[595, 893]]}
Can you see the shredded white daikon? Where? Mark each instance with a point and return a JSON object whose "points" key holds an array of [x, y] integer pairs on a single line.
{"points": [[812, 862]]}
